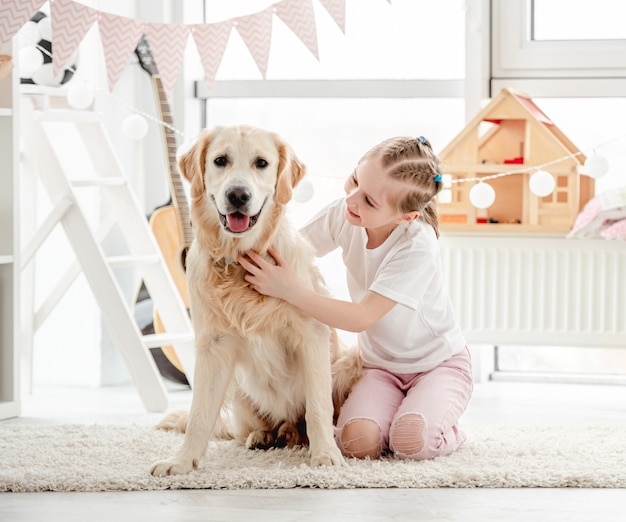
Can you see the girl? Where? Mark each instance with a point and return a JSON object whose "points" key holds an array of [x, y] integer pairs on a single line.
{"points": [[417, 377]]}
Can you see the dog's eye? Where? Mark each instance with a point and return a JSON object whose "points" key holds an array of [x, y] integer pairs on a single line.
{"points": [[221, 161], [260, 163]]}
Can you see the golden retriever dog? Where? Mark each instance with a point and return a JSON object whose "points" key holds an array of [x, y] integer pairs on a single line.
{"points": [[258, 357]]}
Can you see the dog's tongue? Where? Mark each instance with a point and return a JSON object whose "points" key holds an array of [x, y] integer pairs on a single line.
{"points": [[238, 222]]}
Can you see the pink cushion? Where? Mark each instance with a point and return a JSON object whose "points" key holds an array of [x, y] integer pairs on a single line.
{"points": [[615, 231], [600, 213]]}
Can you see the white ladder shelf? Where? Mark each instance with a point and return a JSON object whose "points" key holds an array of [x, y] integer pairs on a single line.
{"points": [[144, 254]]}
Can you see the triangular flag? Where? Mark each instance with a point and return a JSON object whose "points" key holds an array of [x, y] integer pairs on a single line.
{"points": [[211, 40], [300, 18], [14, 14], [336, 9], [119, 36], [70, 22], [256, 31], [167, 42]]}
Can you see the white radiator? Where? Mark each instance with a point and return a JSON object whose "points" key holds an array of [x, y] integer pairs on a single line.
{"points": [[537, 289]]}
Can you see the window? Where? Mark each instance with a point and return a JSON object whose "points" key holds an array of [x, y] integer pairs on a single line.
{"points": [[577, 20], [330, 134], [398, 69], [559, 47], [570, 57], [402, 40]]}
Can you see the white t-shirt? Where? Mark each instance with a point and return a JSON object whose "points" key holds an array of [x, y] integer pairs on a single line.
{"points": [[419, 332]]}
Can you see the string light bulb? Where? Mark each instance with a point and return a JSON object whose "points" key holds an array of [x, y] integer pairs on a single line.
{"points": [[542, 183], [482, 195], [596, 166], [303, 191], [79, 95], [445, 196], [135, 127]]}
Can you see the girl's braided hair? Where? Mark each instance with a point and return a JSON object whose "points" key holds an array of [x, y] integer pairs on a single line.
{"points": [[413, 161]]}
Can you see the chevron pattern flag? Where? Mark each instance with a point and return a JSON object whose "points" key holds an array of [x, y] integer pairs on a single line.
{"points": [[211, 41], [256, 31], [14, 14], [299, 16], [70, 23], [336, 9], [168, 42], [119, 36]]}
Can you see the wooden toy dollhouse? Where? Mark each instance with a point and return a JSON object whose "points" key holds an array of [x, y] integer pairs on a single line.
{"points": [[508, 134]]}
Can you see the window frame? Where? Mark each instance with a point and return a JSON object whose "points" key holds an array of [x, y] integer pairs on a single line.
{"points": [[555, 68]]}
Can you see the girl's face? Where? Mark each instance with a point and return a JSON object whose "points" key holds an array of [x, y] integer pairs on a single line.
{"points": [[368, 194]]}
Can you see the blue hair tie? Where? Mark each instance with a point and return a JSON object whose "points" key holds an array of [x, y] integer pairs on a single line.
{"points": [[437, 177], [421, 139]]}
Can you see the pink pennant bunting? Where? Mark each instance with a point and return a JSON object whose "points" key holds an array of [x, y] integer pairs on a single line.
{"points": [[14, 14], [167, 42], [300, 18], [211, 40], [256, 31], [70, 23], [119, 36], [336, 9]]}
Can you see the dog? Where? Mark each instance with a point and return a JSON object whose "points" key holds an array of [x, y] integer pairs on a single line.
{"points": [[258, 357]]}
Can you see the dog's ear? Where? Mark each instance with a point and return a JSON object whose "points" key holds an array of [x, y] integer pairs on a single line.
{"points": [[193, 161], [290, 171], [187, 162]]}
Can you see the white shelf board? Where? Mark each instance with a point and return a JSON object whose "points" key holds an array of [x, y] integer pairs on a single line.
{"points": [[5, 259], [5, 111]]}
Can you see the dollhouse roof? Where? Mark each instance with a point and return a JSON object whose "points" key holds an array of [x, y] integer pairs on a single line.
{"points": [[509, 104]]}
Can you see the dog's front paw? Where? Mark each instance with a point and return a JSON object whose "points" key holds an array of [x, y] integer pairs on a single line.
{"points": [[260, 439], [329, 457], [173, 466]]}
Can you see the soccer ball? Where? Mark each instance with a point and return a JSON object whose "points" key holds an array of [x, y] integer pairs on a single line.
{"points": [[38, 32]]}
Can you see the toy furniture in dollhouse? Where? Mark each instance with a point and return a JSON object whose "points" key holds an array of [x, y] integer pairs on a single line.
{"points": [[510, 133]]}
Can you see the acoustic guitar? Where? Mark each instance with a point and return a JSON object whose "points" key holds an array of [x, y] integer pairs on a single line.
{"points": [[171, 223]]}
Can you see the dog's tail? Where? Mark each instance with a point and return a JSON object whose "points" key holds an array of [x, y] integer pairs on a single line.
{"points": [[177, 421], [345, 368]]}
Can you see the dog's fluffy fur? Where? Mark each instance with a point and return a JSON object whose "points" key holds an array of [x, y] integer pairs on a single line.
{"points": [[267, 362]]}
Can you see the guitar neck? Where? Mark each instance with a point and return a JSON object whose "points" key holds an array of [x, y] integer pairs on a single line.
{"points": [[169, 145]]}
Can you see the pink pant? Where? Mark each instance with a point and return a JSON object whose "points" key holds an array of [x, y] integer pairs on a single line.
{"points": [[433, 400]]}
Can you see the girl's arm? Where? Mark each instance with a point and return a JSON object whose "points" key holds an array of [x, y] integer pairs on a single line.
{"points": [[279, 281]]}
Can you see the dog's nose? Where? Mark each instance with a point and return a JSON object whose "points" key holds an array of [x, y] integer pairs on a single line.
{"points": [[238, 196]]}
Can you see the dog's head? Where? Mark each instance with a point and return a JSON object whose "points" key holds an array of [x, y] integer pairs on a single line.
{"points": [[241, 177]]}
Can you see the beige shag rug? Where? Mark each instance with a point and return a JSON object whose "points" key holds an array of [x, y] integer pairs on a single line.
{"points": [[117, 458]]}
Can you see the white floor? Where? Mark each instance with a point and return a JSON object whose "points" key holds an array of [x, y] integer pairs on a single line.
{"points": [[492, 403]]}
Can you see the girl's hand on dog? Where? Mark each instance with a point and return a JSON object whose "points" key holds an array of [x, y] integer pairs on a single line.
{"points": [[275, 280]]}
